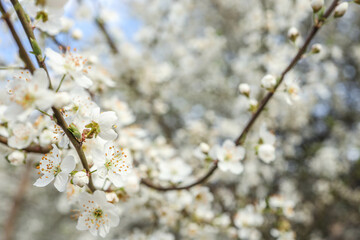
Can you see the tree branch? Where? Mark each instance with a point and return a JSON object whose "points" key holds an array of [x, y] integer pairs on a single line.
{"points": [[24, 19], [22, 52], [101, 25], [241, 139], [77, 145], [31, 148]]}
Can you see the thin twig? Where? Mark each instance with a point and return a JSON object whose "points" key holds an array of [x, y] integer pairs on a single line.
{"points": [[295, 60], [31, 148], [24, 19], [77, 145], [101, 25], [22, 52]]}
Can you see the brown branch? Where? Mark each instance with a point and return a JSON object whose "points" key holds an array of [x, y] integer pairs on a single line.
{"points": [[146, 182], [77, 145], [240, 140], [22, 52], [101, 25], [17, 202], [24, 19], [57, 114], [31, 148]]}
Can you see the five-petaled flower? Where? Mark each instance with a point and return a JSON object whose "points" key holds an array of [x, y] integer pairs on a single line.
{"points": [[112, 163], [51, 166], [96, 215]]}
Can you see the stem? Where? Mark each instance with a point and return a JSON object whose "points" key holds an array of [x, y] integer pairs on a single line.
{"points": [[22, 52], [241, 139], [31, 148], [24, 19], [77, 145], [197, 182], [110, 41], [62, 79]]}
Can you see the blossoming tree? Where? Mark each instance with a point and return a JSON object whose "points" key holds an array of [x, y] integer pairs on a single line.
{"points": [[218, 119]]}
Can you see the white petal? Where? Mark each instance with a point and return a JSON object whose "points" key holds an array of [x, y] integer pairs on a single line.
{"points": [[108, 134], [44, 180], [114, 218], [228, 144], [68, 164], [61, 181], [40, 78], [83, 81], [107, 119], [115, 179], [236, 168]]}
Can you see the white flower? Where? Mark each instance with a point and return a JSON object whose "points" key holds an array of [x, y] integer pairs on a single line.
{"points": [[293, 34], [175, 170], [292, 91], [46, 137], [267, 153], [250, 216], [51, 166], [268, 82], [244, 88], [28, 92], [266, 150], [22, 135], [112, 163], [122, 110], [69, 63], [80, 179], [16, 158], [77, 34], [229, 156], [103, 123], [46, 14], [317, 5], [341, 9], [62, 99], [96, 215]]}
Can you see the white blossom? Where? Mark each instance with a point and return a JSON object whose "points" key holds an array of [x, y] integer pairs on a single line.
{"points": [[53, 167], [97, 215]]}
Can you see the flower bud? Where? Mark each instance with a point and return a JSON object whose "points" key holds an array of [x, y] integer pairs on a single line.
{"points": [[204, 147], [16, 158], [244, 88], [80, 179], [316, 48], [77, 34], [293, 33], [341, 9], [62, 99], [268, 82], [253, 104], [317, 5]]}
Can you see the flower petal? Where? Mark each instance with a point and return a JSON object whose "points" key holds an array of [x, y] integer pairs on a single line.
{"points": [[61, 181], [44, 180], [68, 164]]}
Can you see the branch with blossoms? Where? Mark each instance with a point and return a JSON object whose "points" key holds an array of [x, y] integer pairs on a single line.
{"points": [[79, 126]]}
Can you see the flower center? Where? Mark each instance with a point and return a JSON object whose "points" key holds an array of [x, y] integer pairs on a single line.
{"points": [[98, 213]]}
